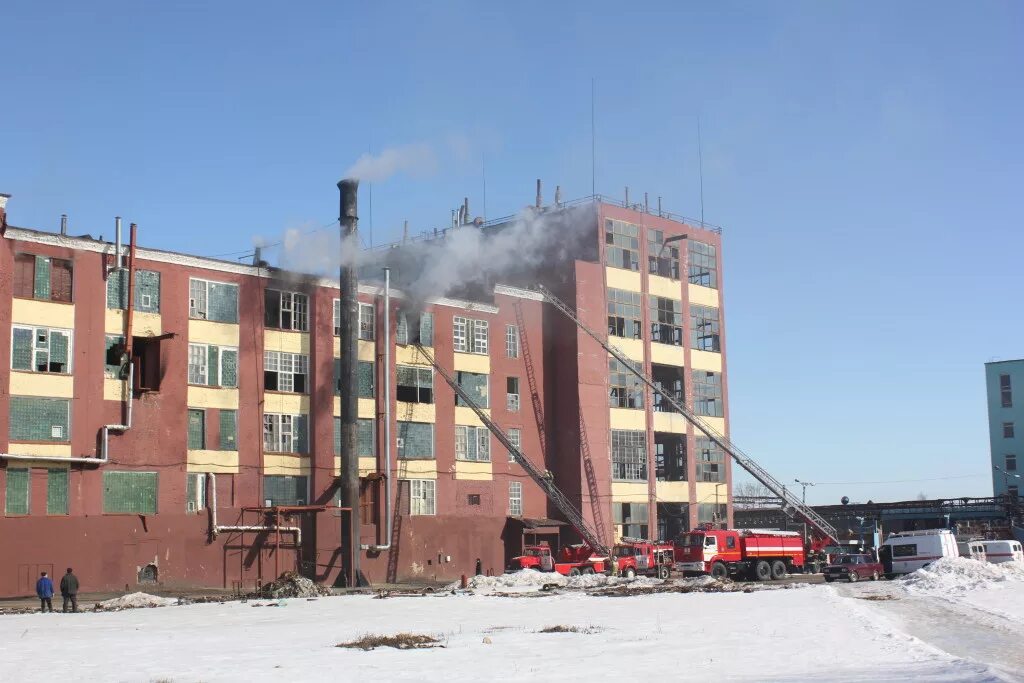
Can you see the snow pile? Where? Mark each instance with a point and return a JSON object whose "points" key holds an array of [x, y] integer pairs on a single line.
{"points": [[133, 601], [530, 580], [291, 585], [962, 574]]}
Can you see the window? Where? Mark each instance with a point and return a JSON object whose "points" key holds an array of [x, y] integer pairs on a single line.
{"points": [[41, 349], [415, 385], [707, 393], [282, 490], [214, 366], [115, 363], [286, 310], [1007, 430], [473, 499], [631, 518], [712, 513], [18, 491], [146, 295], [666, 320], [422, 497], [405, 322], [624, 314], [474, 384], [214, 301], [1005, 391], [625, 390], [195, 491], [337, 317], [1013, 490], [364, 378], [130, 492], [515, 436], [284, 433], [512, 394], [56, 491], [366, 326], [196, 429], [705, 334], [662, 259], [629, 455], [511, 341], [43, 278], [472, 443], [229, 430], [904, 550], [415, 440], [367, 501], [623, 244], [1011, 463], [515, 499], [288, 372], [669, 381], [469, 336], [703, 264], [146, 359], [670, 457], [39, 419], [710, 461], [366, 437]]}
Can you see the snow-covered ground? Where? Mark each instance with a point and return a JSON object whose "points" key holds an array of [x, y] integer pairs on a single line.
{"points": [[901, 632]]}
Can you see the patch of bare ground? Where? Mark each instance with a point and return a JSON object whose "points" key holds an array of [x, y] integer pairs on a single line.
{"points": [[399, 641], [569, 629]]}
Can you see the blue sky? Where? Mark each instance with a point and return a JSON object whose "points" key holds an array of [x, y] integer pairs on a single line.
{"points": [[864, 160]]}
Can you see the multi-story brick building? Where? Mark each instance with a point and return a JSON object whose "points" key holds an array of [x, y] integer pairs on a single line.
{"points": [[231, 399]]}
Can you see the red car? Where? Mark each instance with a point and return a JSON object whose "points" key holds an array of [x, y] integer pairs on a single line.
{"points": [[853, 568]]}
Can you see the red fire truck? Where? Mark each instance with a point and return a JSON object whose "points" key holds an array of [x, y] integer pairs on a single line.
{"points": [[756, 554], [572, 561], [647, 558]]}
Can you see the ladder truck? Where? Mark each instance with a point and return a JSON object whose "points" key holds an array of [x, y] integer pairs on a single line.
{"points": [[823, 533]]}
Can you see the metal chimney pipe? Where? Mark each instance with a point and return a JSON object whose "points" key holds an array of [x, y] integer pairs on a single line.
{"points": [[540, 197], [647, 207], [63, 224], [405, 231], [659, 206], [627, 196], [118, 259], [465, 210], [558, 195], [348, 379]]}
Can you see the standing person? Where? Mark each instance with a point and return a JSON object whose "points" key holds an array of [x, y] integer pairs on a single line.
{"points": [[44, 589], [69, 591]]}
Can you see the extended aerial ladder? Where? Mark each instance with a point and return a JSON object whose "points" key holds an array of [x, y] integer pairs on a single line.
{"points": [[540, 477], [791, 504]]}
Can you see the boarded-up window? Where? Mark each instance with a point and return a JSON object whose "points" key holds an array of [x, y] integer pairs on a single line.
{"points": [[367, 501], [130, 492], [147, 290], [57, 492], [279, 490], [229, 430], [17, 491], [196, 429], [416, 440], [39, 419], [24, 276]]}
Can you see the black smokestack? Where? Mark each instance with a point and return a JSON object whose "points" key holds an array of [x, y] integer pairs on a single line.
{"points": [[347, 380]]}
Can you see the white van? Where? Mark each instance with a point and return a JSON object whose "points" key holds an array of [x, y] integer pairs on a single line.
{"points": [[972, 549], [907, 551], [1004, 551]]}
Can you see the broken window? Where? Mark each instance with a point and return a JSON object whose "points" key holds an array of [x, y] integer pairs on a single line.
{"points": [[214, 366], [213, 301], [366, 321], [414, 384], [512, 394], [146, 295], [629, 455], [624, 314], [705, 332], [196, 429], [114, 361], [285, 433], [364, 378], [472, 443], [673, 520], [625, 390], [631, 519], [703, 264], [511, 341], [474, 384], [147, 362], [515, 499], [712, 513], [42, 278], [422, 496], [195, 491], [670, 456], [666, 320], [286, 310], [622, 242], [1005, 391], [669, 380], [710, 461], [415, 440], [707, 393], [287, 372], [39, 419], [662, 259], [469, 336], [41, 349], [515, 437]]}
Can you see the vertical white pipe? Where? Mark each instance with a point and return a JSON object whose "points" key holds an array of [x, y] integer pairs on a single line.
{"points": [[387, 408]]}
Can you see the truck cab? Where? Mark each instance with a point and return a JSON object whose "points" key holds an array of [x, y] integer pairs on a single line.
{"points": [[647, 558], [698, 551], [537, 557]]}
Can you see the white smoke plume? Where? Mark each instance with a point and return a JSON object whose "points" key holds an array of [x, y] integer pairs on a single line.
{"points": [[416, 159]]}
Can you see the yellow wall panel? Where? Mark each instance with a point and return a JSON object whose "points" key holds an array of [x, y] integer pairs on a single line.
{"points": [[42, 384], [473, 362], [286, 465], [212, 397], [706, 492], [674, 423], [366, 465], [42, 313], [366, 351], [620, 278], [289, 342], [416, 469], [207, 332], [629, 492], [667, 354], [466, 416], [415, 412], [409, 355], [476, 471], [705, 296], [673, 491], [664, 287], [143, 324], [218, 462], [289, 404], [62, 450], [367, 408], [630, 348], [716, 423], [706, 360], [114, 389], [628, 418]]}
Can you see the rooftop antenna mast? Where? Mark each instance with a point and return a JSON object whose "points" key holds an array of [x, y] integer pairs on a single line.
{"points": [[593, 139], [700, 171], [483, 176]]}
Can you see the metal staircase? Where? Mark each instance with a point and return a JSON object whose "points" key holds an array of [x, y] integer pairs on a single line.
{"points": [[791, 504]]}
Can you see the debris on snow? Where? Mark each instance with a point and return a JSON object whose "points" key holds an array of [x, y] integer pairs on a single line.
{"points": [[400, 641], [962, 574], [134, 601], [531, 580], [291, 585]]}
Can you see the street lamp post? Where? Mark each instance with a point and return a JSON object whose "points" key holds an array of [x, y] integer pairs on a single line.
{"points": [[1006, 477], [803, 499], [717, 516]]}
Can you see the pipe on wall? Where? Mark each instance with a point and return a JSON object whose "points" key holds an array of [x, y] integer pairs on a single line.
{"points": [[216, 528], [388, 502]]}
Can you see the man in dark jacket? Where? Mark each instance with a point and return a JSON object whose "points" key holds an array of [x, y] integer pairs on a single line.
{"points": [[44, 589], [69, 591]]}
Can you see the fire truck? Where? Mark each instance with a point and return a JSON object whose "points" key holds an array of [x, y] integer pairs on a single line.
{"points": [[633, 557], [756, 554], [572, 561]]}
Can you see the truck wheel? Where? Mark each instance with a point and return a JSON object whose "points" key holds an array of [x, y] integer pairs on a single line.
{"points": [[630, 573], [852, 577], [874, 576], [663, 573], [575, 571], [719, 570], [829, 579], [778, 570], [588, 570], [762, 571]]}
